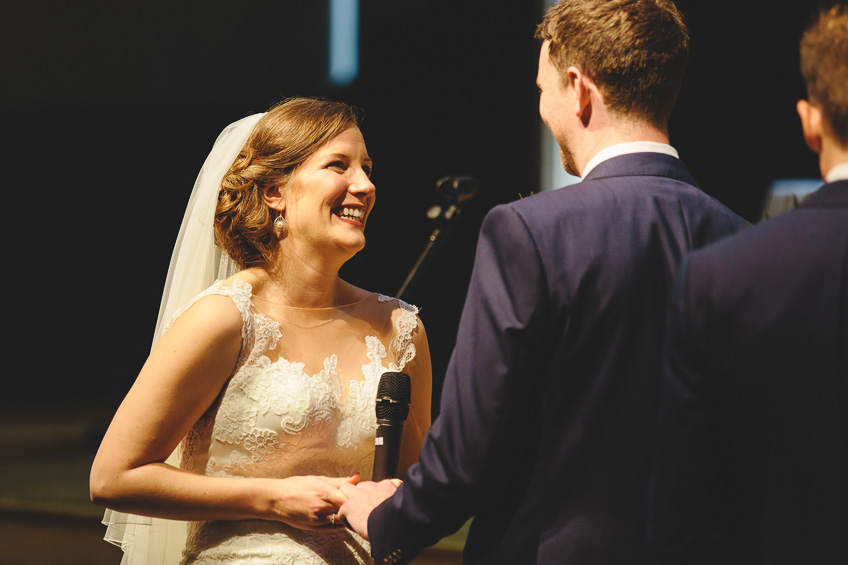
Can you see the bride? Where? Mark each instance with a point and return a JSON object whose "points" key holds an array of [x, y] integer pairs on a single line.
{"points": [[257, 400]]}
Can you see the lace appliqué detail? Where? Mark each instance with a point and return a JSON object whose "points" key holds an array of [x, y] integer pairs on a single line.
{"points": [[253, 336], [254, 541], [402, 345]]}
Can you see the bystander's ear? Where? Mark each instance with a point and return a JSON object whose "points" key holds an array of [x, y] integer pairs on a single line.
{"points": [[811, 124]]}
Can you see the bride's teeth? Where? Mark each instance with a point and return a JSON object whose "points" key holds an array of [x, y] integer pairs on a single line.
{"points": [[353, 213]]}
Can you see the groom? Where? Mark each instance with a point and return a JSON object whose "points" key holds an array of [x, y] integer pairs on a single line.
{"points": [[546, 421]]}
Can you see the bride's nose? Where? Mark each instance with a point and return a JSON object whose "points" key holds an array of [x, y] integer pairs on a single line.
{"points": [[361, 185]]}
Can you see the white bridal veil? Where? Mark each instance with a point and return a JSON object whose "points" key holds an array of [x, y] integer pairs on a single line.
{"points": [[195, 265]]}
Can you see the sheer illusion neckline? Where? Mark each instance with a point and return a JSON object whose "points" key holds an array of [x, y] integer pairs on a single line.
{"points": [[316, 309], [329, 370], [366, 372], [267, 332]]}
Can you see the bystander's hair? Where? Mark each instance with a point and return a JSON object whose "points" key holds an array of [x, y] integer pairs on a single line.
{"points": [[824, 66]]}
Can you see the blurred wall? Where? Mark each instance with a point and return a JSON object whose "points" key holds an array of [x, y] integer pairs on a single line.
{"points": [[109, 109]]}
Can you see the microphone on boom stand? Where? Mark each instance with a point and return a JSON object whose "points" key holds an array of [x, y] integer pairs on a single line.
{"points": [[453, 190]]}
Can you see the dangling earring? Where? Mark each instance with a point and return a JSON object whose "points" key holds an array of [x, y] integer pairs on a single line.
{"points": [[280, 224]]}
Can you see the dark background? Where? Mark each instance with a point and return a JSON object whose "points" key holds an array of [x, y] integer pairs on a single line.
{"points": [[109, 109]]}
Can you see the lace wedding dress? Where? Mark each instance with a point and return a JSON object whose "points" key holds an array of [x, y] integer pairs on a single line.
{"points": [[300, 402]]}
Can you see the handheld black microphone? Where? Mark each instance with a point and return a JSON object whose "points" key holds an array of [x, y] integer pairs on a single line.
{"points": [[392, 407]]}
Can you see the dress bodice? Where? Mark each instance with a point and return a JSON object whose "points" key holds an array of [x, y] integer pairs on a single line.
{"points": [[275, 418]]}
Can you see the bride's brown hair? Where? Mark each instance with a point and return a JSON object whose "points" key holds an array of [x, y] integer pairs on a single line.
{"points": [[286, 136]]}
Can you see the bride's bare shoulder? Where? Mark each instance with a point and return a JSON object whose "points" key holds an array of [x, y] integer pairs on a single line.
{"points": [[213, 314]]}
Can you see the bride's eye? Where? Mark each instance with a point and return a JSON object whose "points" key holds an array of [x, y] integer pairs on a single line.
{"points": [[367, 169], [338, 165]]}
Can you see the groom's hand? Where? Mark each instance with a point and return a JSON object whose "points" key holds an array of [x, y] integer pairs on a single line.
{"points": [[362, 499]]}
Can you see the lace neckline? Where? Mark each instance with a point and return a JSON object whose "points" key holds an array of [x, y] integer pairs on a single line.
{"points": [[318, 309], [262, 332]]}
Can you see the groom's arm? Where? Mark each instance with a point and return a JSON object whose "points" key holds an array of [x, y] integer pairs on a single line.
{"points": [[465, 447]]}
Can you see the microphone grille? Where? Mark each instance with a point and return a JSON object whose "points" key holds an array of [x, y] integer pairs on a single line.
{"points": [[393, 394]]}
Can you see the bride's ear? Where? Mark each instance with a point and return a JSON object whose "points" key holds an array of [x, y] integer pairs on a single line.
{"points": [[275, 197]]}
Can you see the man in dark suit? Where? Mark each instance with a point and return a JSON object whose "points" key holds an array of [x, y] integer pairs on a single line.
{"points": [[752, 462], [547, 410]]}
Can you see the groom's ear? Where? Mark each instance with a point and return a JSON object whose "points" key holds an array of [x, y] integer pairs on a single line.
{"points": [[585, 91]]}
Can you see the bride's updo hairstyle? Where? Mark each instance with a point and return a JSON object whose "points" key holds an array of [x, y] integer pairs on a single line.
{"points": [[286, 136]]}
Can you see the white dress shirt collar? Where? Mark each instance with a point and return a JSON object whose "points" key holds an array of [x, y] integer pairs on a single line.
{"points": [[625, 148], [839, 172]]}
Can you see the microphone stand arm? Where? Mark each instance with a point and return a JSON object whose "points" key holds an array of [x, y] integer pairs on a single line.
{"points": [[448, 217]]}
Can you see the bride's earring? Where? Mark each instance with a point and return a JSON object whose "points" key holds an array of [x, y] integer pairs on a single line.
{"points": [[280, 224]]}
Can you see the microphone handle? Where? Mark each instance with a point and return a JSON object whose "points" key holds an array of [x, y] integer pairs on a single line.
{"points": [[387, 449]]}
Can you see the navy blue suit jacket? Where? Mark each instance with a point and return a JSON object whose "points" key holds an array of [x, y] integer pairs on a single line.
{"points": [[547, 409], [753, 442]]}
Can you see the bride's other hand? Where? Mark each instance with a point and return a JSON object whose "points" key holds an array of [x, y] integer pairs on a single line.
{"points": [[308, 502]]}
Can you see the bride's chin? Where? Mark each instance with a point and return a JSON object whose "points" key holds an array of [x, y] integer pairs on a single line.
{"points": [[358, 247], [351, 246]]}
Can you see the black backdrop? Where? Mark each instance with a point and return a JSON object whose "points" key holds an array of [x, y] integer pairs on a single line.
{"points": [[109, 109]]}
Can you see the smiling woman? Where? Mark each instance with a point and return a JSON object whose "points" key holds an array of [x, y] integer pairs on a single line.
{"points": [[269, 372], [327, 202], [251, 194]]}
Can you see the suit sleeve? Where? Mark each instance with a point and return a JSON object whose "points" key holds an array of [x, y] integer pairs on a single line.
{"points": [[501, 314], [685, 509]]}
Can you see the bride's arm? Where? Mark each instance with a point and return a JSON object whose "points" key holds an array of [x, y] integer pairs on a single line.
{"points": [[181, 379], [418, 421]]}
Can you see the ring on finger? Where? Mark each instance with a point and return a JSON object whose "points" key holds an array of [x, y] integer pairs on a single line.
{"points": [[333, 519]]}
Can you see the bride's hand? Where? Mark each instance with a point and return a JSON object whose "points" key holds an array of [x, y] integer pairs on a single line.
{"points": [[308, 502]]}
